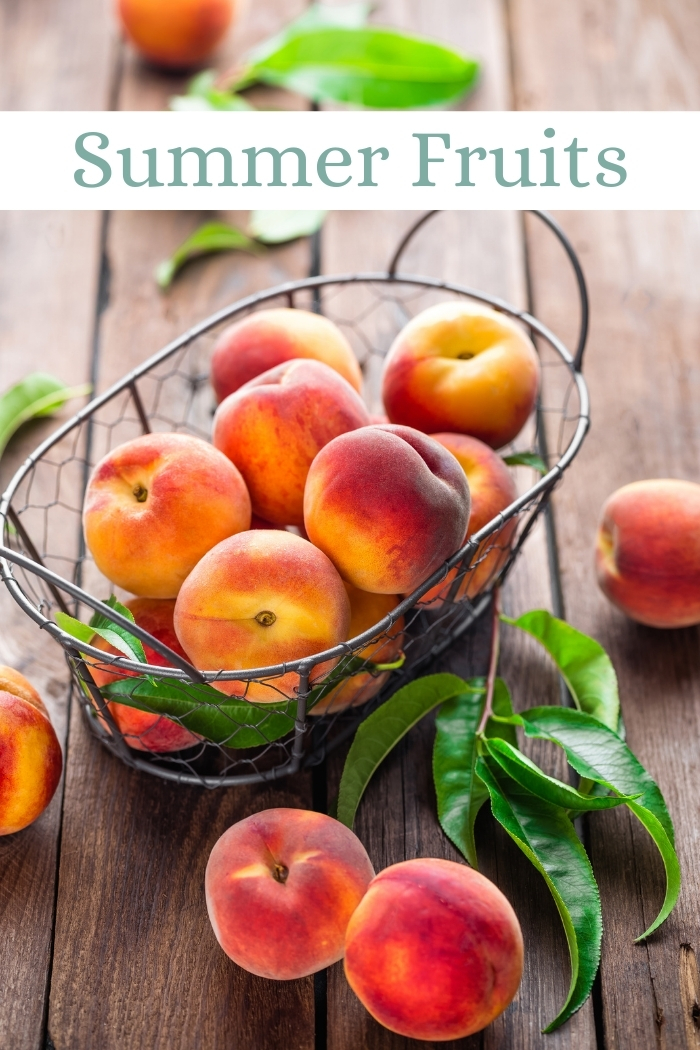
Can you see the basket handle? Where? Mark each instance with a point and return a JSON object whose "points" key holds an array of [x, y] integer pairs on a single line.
{"points": [[556, 229]]}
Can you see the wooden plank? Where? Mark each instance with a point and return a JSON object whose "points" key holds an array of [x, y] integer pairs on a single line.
{"points": [[397, 819], [642, 369], [52, 57], [132, 924]]}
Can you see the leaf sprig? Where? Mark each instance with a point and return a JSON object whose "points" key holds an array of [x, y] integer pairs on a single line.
{"points": [[476, 759], [329, 54], [38, 394]]}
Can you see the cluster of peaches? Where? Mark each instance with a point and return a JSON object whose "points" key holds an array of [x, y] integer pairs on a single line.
{"points": [[304, 523], [432, 949]]}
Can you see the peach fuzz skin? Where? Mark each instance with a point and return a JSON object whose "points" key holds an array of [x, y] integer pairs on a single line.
{"points": [[434, 950], [648, 552], [273, 427], [388, 505], [30, 754], [280, 888], [492, 488], [268, 338], [366, 609], [176, 34], [155, 505], [463, 368], [142, 730], [257, 600]]}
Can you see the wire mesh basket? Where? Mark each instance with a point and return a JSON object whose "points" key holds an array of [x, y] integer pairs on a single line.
{"points": [[213, 739]]}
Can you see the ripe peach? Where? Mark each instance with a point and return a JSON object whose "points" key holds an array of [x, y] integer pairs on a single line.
{"points": [[492, 489], [30, 754], [155, 505], [462, 367], [142, 730], [268, 338], [280, 887], [648, 552], [366, 609], [434, 950], [259, 599], [388, 505], [273, 426], [176, 34]]}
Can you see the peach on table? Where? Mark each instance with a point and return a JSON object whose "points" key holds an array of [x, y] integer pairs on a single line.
{"points": [[280, 888]]}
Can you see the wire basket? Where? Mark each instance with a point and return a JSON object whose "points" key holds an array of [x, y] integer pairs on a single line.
{"points": [[224, 740]]}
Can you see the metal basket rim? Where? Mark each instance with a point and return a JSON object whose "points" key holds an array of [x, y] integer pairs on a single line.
{"points": [[304, 665]]}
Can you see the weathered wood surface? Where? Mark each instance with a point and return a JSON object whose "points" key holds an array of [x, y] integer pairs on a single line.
{"points": [[643, 368], [52, 56]]}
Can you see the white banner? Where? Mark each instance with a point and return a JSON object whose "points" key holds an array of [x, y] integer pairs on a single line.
{"points": [[350, 160]]}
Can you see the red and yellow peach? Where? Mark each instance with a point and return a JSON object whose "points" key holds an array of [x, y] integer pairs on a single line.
{"points": [[176, 34], [30, 754], [648, 552], [260, 599], [492, 489], [280, 888], [366, 610], [464, 368], [143, 730], [155, 505], [434, 950], [268, 338], [273, 427], [388, 505]]}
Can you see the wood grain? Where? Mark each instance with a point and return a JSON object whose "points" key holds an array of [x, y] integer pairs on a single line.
{"points": [[642, 366], [52, 56]]}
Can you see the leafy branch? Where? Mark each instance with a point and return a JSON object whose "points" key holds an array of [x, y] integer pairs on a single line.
{"points": [[476, 758], [329, 54]]}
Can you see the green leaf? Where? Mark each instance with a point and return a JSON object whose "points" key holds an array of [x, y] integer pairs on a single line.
{"points": [[37, 395], [316, 16], [101, 623], [378, 68], [382, 731], [598, 754], [203, 94], [529, 776], [114, 634], [526, 459], [212, 237], [460, 793], [671, 865], [583, 663], [202, 709], [547, 838], [277, 227]]}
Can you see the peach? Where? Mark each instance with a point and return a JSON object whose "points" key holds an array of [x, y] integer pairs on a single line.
{"points": [[176, 34], [268, 338], [273, 427], [492, 489], [434, 950], [259, 599], [30, 754], [155, 505], [280, 888], [464, 368], [366, 610], [388, 505], [143, 730], [648, 552]]}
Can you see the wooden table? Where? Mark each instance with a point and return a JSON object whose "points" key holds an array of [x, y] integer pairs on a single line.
{"points": [[104, 940]]}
